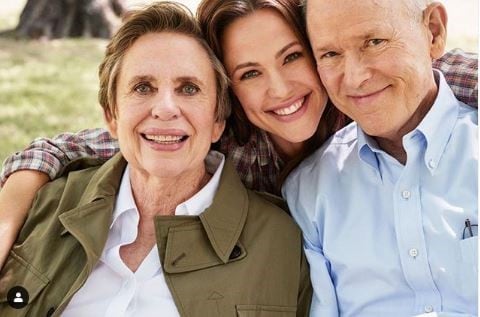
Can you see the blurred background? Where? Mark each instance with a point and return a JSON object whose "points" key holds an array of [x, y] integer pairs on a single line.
{"points": [[50, 86]]}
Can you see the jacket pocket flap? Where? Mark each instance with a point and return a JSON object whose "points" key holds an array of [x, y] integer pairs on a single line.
{"points": [[18, 272], [265, 311], [189, 249]]}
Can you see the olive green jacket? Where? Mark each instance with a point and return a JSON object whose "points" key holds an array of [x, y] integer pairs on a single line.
{"points": [[241, 257]]}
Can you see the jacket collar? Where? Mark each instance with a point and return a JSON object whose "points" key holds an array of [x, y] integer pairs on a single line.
{"points": [[223, 221], [90, 219]]}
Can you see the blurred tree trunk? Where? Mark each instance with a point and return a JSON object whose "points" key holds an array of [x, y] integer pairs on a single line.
{"points": [[69, 18]]}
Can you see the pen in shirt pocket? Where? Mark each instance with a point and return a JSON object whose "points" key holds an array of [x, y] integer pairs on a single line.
{"points": [[470, 229]]}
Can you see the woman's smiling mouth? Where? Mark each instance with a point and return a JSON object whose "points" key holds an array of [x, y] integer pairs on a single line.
{"points": [[290, 109], [289, 112]]}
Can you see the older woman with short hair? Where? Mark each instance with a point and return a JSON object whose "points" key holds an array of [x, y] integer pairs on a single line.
{"points": [[165, 227]]}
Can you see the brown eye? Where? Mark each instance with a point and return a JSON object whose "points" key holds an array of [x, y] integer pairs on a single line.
{"points": [[329, 54], [375, 42], [292, 57]]}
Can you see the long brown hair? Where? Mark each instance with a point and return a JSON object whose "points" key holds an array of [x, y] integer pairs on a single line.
{"points": [[215, 16]]}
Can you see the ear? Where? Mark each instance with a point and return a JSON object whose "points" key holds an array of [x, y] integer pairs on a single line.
{"points": [[435, 18], [218, 128], [111, 124]]}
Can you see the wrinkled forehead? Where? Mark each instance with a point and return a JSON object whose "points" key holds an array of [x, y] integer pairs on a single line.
{"points": [[333, 18], [315, 9], [169, 54]]}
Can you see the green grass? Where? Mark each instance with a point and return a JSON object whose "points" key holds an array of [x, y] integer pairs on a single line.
{"points": [[47, 88], [50, 87]]}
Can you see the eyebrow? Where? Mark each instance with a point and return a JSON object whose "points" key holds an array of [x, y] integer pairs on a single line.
{"points": [[285, 48], [179, 79], [371, 32], [277, 55], [189, 79], [139, 78], [244, 65]]}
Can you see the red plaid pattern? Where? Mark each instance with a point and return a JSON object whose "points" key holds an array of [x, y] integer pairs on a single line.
{"points": [[461, 72], [257, 162]]}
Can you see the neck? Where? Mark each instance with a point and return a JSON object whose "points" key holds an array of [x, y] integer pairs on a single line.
{"points": [[160, 196], [287, 150], [393, 143], [394, 147]]}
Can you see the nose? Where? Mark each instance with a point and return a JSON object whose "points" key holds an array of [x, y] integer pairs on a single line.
{"points": [[356, 72], [165, 107], [279, 85]]}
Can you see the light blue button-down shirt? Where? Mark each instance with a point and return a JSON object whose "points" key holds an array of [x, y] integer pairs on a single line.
{"points": [[386, 239]]}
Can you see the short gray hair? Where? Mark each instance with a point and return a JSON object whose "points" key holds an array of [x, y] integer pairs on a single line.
{"points": [[415, 7]]}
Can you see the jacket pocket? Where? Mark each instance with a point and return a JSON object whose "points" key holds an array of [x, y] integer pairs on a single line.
{"points": [[18, 272], [265, 311]]}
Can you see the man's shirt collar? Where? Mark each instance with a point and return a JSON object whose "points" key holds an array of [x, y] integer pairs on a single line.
{"points": [[438, 124], [436, 127]]}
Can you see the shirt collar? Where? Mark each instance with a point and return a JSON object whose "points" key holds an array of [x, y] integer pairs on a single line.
{"points": [[191, 207], [367, 147], [124, 201], [436, 127], [196, 204], [438, 124]]}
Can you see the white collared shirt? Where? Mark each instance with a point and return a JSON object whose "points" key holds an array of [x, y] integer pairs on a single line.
{"points": [[112, 289]]}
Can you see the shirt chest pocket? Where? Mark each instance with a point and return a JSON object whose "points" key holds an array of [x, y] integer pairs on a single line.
{"points": [[265, 311], [468, 266], [20, 283]]}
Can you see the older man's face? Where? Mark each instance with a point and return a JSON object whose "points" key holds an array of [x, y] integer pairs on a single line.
{"points": [[374, 58]]}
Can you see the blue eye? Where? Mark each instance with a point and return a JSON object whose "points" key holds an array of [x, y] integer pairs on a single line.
{"points": [[292, 57], [143, 88], [189, 89], [250, 74]]}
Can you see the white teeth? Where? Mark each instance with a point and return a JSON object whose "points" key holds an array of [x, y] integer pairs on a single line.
{"points": [[290, 109], [164, 138]]}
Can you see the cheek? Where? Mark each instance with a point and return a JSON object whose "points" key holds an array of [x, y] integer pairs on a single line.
{"points": [[249, 97], [303, 71], [327, 77]]}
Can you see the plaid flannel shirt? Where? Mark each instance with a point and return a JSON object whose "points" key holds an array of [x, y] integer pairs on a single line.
{"points": [[257, 162]]}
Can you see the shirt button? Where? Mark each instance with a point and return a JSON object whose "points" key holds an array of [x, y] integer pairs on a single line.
{"points": [[413, 252], [428, 308], [432, 164], [406, 194]]}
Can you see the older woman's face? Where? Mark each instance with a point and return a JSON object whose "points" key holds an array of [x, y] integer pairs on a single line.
{"points": [[166, 99], [273, 76]]}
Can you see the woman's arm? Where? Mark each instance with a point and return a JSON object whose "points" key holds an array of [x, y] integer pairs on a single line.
{"points": [[16, 198], [461, 72], [29, 170], [50, 156]]}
